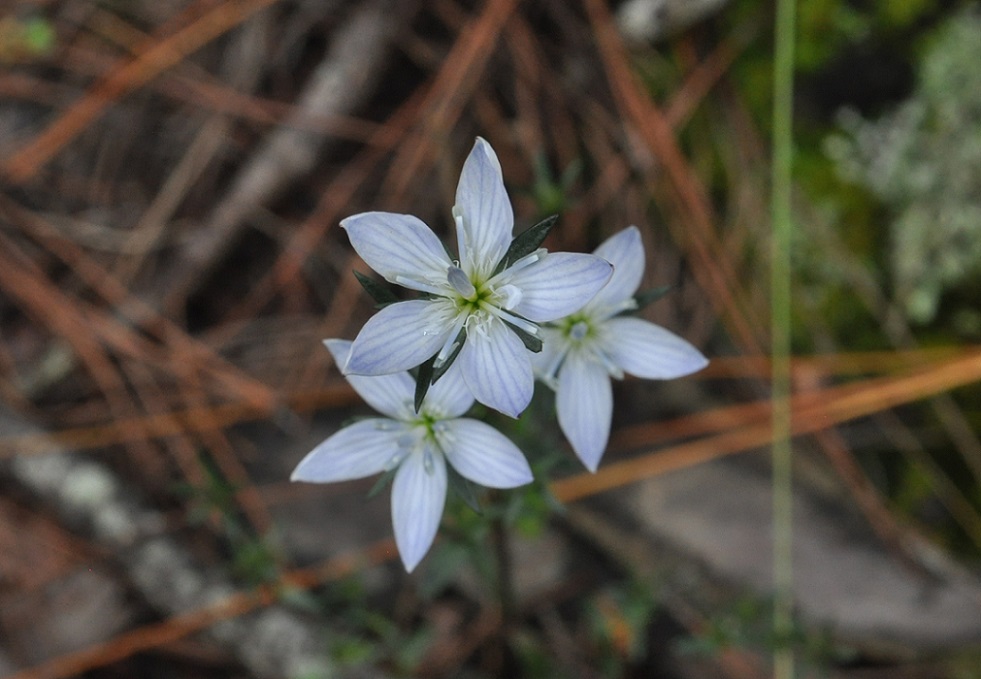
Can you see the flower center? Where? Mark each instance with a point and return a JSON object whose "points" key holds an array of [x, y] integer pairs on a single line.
{"points": [[577, 329], [586, 337], [478, 303], [420, 439]]}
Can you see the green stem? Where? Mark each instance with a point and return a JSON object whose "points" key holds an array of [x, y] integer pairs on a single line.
{"points": [[780, 301], [505, 580], [500, 657]]}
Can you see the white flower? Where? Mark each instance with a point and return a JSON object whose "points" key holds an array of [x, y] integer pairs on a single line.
{"points": [[584, 350], [467, 294], [419, 445]]}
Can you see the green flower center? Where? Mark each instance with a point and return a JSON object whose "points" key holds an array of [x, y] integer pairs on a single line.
{"points": [[577, 328]]}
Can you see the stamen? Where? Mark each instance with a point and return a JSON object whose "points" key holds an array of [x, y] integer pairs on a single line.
{"points": [[441, 359], [527, 260], [421, 286], [462, 243], [450, 343], [460, 282], [525, 325], [503, 277], [510, 296], [477, 323]]}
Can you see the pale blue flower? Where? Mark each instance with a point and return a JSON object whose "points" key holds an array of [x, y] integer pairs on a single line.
{"points": [[584, 350], [468, 294], [418, 445]]}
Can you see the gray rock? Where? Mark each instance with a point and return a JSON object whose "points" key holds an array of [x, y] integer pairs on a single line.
{"points": [[720, 515]]}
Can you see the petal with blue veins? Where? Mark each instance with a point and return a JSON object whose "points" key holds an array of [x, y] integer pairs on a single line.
{"points": [[398, 247], [482, 202], [497, 368], [450, 396], [354, 452], [390, 395], [647, 350], [560, 284], [585, 407], [483, 454], [399, 337], [418, 497], [625, 251]]}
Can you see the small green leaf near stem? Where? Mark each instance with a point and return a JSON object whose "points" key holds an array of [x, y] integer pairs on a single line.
{"points": [[382, 295], [526, 242]]}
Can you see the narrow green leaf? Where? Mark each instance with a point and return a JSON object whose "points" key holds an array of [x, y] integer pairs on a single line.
{"points": [[646, 297], [382, 295], [441, 370], [531, 342], [526, 242], [464, 488], [383, 480], [570, 174], [424, 377]]}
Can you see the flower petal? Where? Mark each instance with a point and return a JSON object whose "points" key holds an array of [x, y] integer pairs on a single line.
{"points": [[560, 284], [418, 497], [625, 251], [450, 397], [483, 203], [399, 337], [497, 368], [397, 245], [647, 350], [483, 454], [585, 406], [388, 394], [354, 452]]}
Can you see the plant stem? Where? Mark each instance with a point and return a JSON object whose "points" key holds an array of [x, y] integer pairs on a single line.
{"points": [[500, 657], [780, 329], [505, 581]]}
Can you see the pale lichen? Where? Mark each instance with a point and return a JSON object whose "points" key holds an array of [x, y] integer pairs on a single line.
{"points": [[923, 160]]}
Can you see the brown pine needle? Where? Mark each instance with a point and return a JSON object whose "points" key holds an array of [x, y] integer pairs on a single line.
{"points": [[160, 56], [811, 411]]}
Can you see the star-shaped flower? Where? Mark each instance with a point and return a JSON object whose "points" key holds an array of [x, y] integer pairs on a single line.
{"points": [[419, 445], [584, 350], [480, 294]]}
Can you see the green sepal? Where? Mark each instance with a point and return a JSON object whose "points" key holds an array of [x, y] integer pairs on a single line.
{"points": [[424, 378], [427, 373], [382, 295], [531, 342], [464, 488], [649, 296], [526, 243], [441, 370], [383, 480]]}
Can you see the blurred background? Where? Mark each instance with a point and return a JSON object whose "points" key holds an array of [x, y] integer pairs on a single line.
{"points": [[172, 173]]}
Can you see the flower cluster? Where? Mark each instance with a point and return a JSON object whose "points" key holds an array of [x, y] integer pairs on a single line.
{"points": [[487, 323]]}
